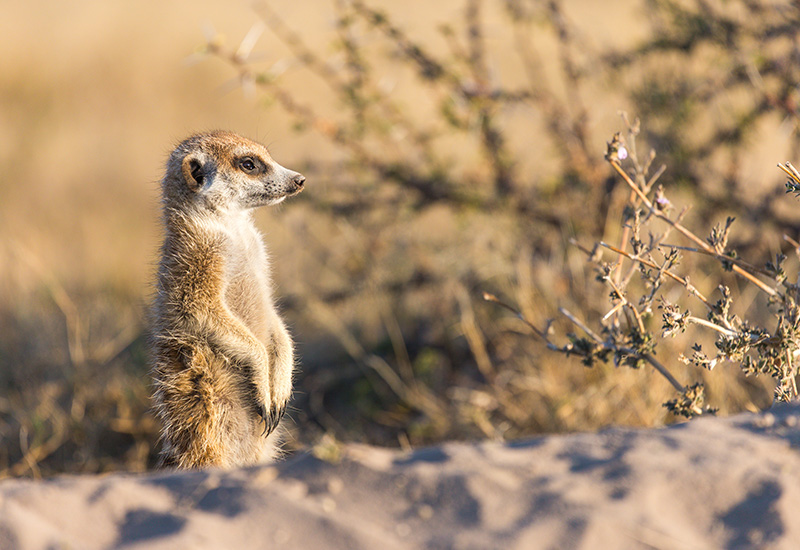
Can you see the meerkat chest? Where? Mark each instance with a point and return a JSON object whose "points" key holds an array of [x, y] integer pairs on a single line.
{"points": [[248, 292]]}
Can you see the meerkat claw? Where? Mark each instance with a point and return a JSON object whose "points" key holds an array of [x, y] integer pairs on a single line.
{"points": [[265, 417], [272, 420]]}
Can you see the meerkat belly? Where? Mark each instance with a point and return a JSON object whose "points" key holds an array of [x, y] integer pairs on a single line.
{"points": [[249, 300], [249, 292]]}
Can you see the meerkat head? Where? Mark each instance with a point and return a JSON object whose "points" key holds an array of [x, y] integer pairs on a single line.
{"points": [[222, 170]]}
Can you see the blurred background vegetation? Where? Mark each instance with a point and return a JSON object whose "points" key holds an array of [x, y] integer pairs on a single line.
{"points": [[451, 148]]}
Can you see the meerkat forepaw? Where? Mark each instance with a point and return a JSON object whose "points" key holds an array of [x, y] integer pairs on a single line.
{"points": [[270, 417]]}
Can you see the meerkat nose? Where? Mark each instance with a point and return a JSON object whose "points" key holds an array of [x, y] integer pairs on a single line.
{"points": [[299, 179]]}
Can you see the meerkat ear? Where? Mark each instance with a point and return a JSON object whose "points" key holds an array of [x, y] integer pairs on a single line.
{"points": [[193, 172]]}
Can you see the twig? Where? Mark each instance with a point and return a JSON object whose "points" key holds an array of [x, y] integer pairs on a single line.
{"points": [[541, 334], [688, 234], [654, 178], [712, 253], [606, 344], [711, 325], [613, 347], [677, 278], [791, 171], [580, 324], [792, 242], [665, 373], [618, 292]]}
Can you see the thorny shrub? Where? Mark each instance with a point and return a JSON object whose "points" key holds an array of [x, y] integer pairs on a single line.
{"points": [[625, 337]]}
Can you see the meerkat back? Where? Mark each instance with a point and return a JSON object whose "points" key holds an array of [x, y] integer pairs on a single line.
{"points": [[222, 356]]}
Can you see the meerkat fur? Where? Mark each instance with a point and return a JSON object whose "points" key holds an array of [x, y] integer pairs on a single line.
{"points": [[222, 356]]}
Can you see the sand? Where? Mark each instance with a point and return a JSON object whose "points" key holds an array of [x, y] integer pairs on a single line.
{"points": [[709, 483]]}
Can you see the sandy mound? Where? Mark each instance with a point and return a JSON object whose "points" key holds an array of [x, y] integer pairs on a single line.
{"points": [[711, 483]]}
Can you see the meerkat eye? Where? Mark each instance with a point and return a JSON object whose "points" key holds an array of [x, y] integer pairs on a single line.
{"points": [[248, 165]]}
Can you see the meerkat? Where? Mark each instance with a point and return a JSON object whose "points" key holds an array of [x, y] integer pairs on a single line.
{"points": [[222, 356]]}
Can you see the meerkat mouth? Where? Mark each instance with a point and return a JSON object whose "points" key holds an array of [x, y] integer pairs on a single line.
{"points": [[266, 199]]}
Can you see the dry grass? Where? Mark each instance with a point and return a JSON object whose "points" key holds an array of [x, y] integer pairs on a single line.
{"points": [[414, 208]]}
